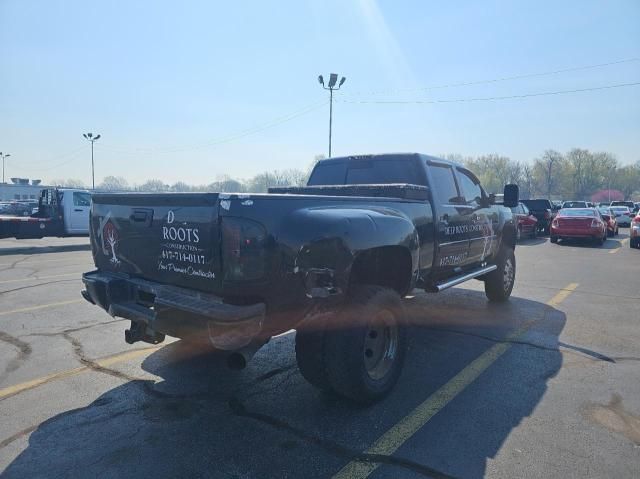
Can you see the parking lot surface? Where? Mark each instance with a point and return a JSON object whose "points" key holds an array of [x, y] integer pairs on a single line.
{"points": [[546, 385]]}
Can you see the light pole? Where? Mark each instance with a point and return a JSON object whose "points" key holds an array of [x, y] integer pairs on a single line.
{"points": [[92, 139], [333, 79], [3, 155], [611, 172]]}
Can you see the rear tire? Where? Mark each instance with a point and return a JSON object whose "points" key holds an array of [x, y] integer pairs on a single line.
{"points": [[499, 283], [534, 232], [361, 350], [554, 239], [310, 351]]}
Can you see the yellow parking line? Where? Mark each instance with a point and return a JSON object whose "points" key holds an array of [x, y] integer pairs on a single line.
{"points": [[622, 243], [108, 361], [395, 437], [38, 278], [42, 306]]}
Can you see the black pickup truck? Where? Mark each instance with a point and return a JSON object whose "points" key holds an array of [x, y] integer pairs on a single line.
{"points": [[331, 260], [544, 212]]}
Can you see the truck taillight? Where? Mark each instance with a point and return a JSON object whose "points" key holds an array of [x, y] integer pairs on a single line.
{"points": [[243, 249], [555, 223], [596, 223], [637, 219]]}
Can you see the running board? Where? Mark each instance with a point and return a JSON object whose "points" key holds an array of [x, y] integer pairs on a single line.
{"points": [[460, 279]]}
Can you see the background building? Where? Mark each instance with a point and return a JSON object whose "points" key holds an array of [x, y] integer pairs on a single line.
{"points": [[20, 189]]}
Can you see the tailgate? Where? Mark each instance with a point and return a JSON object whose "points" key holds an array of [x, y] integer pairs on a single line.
{"points": [[168, 238]]}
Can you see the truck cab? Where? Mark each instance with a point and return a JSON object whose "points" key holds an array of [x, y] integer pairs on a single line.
{"points": [[76, 207]]}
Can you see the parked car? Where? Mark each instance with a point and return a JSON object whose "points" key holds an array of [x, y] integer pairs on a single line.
{"points": [[544, 212], [575, 204], [623, 215], [609, 218], [629, 204], [634, 232], [578, 223], [526, 223]]}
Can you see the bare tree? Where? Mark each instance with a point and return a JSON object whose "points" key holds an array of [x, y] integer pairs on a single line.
{"points": [[113, 183], [153, 186], [68, 183], [548, 168]]}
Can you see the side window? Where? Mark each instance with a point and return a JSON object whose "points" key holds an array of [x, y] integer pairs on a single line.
{"points": [[525, 210], [81, 199], [444, 183], [470, 188]]}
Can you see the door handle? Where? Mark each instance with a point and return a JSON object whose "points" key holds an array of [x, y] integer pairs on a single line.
{"points": [[79, 210], [142, 216]]}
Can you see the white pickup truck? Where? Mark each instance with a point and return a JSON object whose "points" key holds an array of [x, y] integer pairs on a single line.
{"points": [[61, 212]]}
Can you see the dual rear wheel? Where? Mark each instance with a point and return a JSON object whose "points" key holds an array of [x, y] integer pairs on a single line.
{"points": [[357, 352]]}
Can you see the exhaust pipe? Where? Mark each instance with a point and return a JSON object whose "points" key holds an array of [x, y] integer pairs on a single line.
{"points": [[239, 359]]}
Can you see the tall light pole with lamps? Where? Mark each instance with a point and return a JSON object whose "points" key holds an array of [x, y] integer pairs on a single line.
{"points": [[333, 79], [3, 155], [92, 139]]}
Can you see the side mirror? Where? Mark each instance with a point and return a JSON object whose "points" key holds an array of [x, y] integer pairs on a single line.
{"points": [[511, 196]]}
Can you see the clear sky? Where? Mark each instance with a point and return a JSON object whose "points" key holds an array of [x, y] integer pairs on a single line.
{"points": [[193, 90]]}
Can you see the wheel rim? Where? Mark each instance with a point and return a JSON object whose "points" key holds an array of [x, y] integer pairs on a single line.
{"points": [[380, 344], [508, 274]]}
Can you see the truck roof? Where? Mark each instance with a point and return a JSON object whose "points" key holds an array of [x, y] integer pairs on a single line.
{"points": [[390, 156]]}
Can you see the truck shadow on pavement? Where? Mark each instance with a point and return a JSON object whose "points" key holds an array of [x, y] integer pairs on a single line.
{"points": [[197, 419]]}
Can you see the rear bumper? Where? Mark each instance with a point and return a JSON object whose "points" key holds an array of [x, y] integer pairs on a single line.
{"points": [[576, 233], [157, 309]]}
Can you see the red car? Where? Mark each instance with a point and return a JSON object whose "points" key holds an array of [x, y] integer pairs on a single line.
{"points": [[527, 223], [582, 223], [609, 217]]}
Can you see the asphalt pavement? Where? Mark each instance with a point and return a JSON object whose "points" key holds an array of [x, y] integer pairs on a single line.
{"points": [[546, 385]]}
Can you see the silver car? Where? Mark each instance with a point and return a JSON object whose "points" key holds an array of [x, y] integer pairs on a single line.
{"points": [[623, 215]]}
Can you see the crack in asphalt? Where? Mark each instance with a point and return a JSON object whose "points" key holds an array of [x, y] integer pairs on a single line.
{"points": [[37, 285], [14, 264], [72, 330], [596, 356], [24, 350], [239, 409], [5, 442]]}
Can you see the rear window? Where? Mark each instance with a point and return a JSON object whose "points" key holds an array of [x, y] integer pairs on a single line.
{"points": [[578, 212], [537, 204], [574, 204], [620, 208], [623, 203], [365, 171]]}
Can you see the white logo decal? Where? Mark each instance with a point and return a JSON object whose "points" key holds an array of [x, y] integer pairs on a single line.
{"points": [[170, 217]]}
